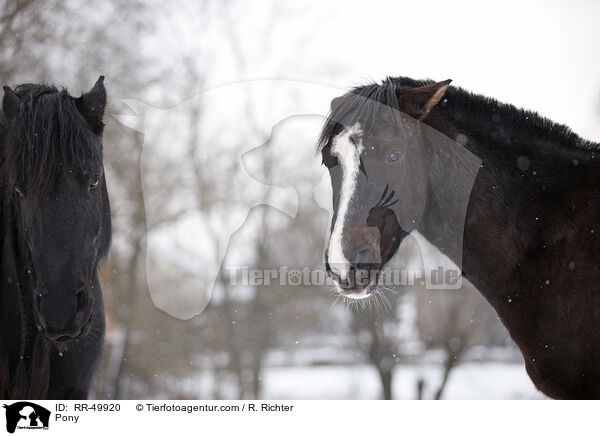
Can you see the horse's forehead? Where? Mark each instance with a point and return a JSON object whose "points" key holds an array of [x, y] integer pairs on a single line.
{"points": [[348, 141]]}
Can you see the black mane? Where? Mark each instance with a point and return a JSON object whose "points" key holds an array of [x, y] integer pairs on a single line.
{"points": [[50, 133], [460, 106]]}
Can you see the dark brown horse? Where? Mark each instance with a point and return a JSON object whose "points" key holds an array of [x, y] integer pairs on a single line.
{"points": [[531, 223], [54, 231]]}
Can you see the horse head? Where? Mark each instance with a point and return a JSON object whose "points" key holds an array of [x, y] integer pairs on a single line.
{"points": [[56, 185], [375, 152]]}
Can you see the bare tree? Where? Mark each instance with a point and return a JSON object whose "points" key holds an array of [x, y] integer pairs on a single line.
{"points": [[24, 29], [380, 342], [453, 320]]}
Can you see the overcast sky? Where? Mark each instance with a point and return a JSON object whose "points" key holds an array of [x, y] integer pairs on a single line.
{"points": [[541, 58]]}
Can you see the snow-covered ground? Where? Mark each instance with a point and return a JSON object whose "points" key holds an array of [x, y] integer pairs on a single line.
{"points": [[472, 380], [494, 373]]}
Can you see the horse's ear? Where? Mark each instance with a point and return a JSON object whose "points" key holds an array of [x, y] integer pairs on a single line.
{"points": [[92, 106], [418, 102], [335, 103], [10, 103]]}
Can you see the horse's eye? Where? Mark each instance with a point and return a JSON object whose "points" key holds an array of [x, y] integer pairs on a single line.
{"points": [[393, 156], [94, 183], [329, 160]]}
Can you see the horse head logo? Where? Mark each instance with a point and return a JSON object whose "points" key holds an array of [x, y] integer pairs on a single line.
{"points": [[25, 414]]}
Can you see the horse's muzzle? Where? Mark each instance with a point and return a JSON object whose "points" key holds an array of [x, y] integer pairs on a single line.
{"points": [[80, 324], [358, 282]]}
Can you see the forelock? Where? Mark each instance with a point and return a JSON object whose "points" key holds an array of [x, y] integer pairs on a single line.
{"points": [[48, 136]]}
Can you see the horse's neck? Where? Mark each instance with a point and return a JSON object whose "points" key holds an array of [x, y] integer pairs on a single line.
{"points": [[452, 170], [487, 226], [467, 214]]}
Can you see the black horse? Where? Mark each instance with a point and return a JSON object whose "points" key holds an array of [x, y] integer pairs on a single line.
{"points": [[55, 229], [531, 224]]}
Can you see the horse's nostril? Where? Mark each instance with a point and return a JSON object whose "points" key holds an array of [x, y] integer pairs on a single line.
{"points": [[81, 300], [336, 275], [332, 270], [347, 281], [84, 306], [76, 325]]}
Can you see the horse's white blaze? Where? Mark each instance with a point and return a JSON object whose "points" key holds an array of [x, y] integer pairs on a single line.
{"points": [[348, 154]]}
